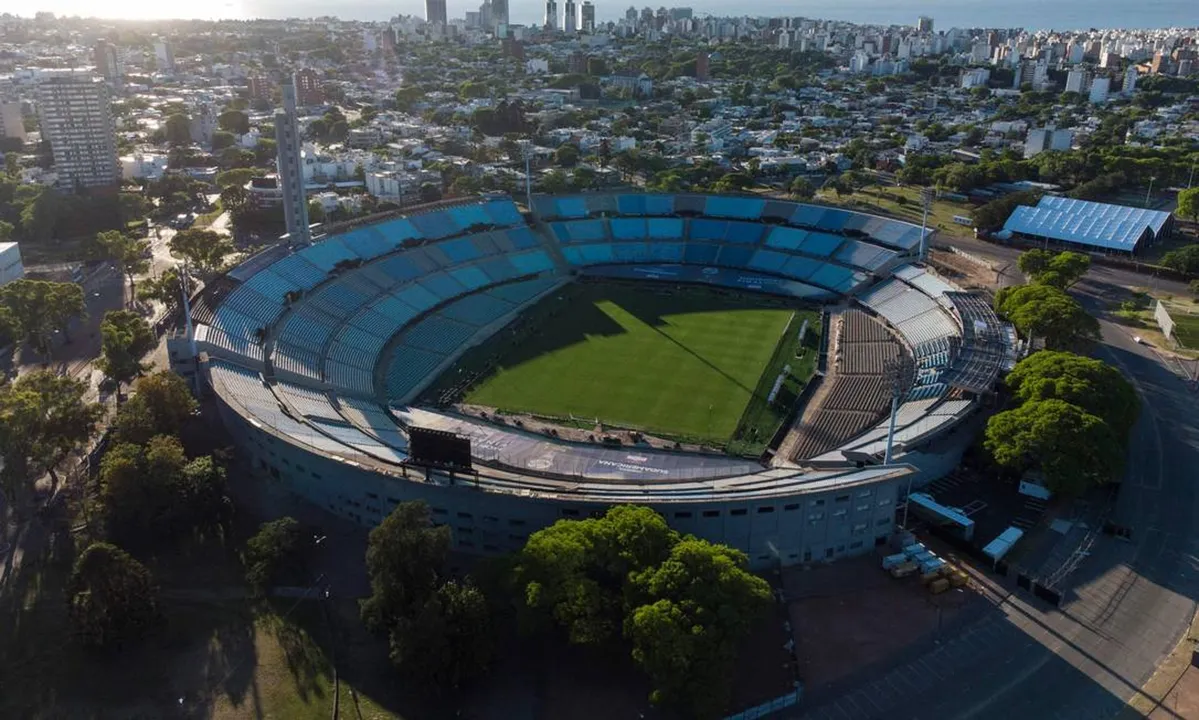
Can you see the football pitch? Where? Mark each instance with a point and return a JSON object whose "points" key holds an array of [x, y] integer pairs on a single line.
{"points": [[684, 364]]}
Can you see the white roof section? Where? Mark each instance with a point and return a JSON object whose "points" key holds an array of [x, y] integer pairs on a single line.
{"points": [[999, 547], [1112, 227]]}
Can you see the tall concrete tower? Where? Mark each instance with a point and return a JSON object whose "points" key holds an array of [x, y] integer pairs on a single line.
{"points": [[291, 171], [570, 17], [551, 14], [588, 20]]}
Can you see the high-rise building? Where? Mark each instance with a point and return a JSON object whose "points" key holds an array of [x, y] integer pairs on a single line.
{"points": [[435, 12], [499, 13], [308, 88], [108, 64], [1100, 87], [587, 21], [76, 118], [291, 170], [551, 14], [630, 15], [924, 24], [164, 56], [1076, 81], [1130, 80], [570, 17], [702, 67], [12, 124]]}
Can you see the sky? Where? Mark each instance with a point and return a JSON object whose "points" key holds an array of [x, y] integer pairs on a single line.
{"points": [[1030, 14]]}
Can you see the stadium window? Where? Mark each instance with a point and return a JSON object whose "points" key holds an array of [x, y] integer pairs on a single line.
{"points": [[490, 548], [807, 556], [841, 498], [816, 516], [818, 503], [570, 512], [859, 527], [839, 513], [300, 468], [738, 511], [393, 501], [682, 515], [274, 472], [373, 496], [517, 538], [840, 548], [791, 507], [711, 513], [466, 543], [865, 493], [466, 531], [862, 508], [765, 509], [490, 519], [440, 511], [764, 557], [317, 476], [286, 462], [883, 521], [516, 523], [855, 546], [828, 552], [884, 502], [466, 516]]}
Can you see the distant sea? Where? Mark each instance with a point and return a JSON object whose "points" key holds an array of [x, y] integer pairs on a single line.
{"points": [[1029, 14]]}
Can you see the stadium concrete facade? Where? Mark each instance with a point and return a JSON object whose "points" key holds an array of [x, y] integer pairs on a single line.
{"points": [[315, 355]]}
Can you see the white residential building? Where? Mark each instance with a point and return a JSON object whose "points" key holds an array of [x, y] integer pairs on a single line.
{"points": [[1130, 80], [164, 57], [1076, 81], [141, 165], [975, 77], [11, 123], [1100, 88], [10, 263], [76, 119]]}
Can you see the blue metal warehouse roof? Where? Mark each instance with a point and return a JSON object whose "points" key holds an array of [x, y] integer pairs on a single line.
{"points": [[1114, 227]]}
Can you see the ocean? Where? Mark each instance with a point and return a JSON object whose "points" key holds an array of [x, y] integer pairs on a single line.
{"points": [[1029, 14]]}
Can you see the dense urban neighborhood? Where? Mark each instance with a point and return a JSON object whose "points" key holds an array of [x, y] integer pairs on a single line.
{"points": [[456, 367]]}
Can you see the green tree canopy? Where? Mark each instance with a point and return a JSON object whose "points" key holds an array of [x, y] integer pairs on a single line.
{"points": [[1188, 203], [1184, 260], [205, 250], [125, 337], [153, 495], [1091, 384], [222, 140], [42, 417], [112, 597], [682, 603], [1060, 270], [39, 308], [801, 189], [447, 641], [161, 404], [404, 559], [1073, 449], [567, 156], [178, 129], [275, 555], [1049, 313], [234, 121], [237, 176], [129, 254], [165, 288]]}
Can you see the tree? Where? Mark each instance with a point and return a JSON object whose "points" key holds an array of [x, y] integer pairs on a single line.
{"points": [[449, 639], [204, 250], [125, 338], [129, 254], [112, 597], [6, 229], [42, 417], [1070, 447], [1184, 260], [1092, 385], [1188, 203], [164, 289], [994, 214], [222, 140], [234, 121], [316, 212], [694, 609], [566, 156], [134, 206], [237, 176], [161, 404], [430, 192], [235, 200], [39, 308], [152, 495], [404, 559], [178, 130], [1049, 313], [801, 189], [1061, 270], [275, 555]]}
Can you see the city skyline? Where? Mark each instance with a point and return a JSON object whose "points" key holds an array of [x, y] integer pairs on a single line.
{"points": [[1028, 14]]}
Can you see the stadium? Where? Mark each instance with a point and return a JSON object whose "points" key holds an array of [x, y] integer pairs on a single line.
{"points": [[730, 361]]}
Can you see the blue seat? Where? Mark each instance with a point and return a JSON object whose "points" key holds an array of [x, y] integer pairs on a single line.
{"points": [[586, 231], [630, 204], [833, 220], [700, 254], [628, 228], [570, 207], [368, 242], [327, 253], [705, 229], [398, 267], [665, 228], [534, 261], [786, 238], [744, 233], [807, 215], [459, 250], [436, 225], [441, 285], [800, 267], [820, 244], [659, 204], [671, 252], [831, 276], [747, 208], [467, 216], [735, 255], [503, 213], [398, 230], [418, 297], [768, 261], [471, 277], [499, 269]]}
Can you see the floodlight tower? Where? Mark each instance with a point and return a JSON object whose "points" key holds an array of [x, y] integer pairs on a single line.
{"points": [[926, 201], [898, 373]]}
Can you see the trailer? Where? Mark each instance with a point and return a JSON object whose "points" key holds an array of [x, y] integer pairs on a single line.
{"points": [[907, 568], [938, 586], [892, 560]]}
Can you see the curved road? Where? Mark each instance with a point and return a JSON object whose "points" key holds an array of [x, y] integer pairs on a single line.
{"points": [[1130, 602]]}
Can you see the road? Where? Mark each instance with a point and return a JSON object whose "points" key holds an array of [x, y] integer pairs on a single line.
{"points": [[1130, 602]]}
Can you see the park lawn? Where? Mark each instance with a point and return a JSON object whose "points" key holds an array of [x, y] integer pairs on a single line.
{"points": [[940, 215], [1186, 329], [682, 364]]}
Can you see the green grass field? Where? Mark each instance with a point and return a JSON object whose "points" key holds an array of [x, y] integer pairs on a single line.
{"points": [[684, 364], [1186, 330]]}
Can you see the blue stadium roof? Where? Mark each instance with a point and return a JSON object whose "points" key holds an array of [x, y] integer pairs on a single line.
{"points": [[1112, 227]]}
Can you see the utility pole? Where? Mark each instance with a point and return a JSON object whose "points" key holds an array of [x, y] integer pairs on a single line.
{"points": [[526, 150], [1149, 191]]}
